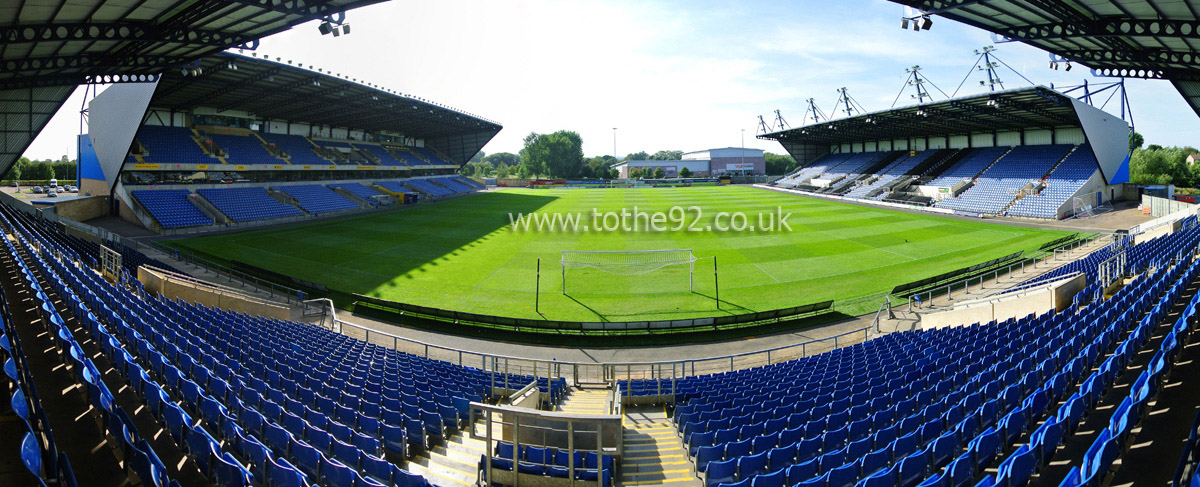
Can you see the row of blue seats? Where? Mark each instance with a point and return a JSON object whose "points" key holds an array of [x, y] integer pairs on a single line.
{"points": [[910, 469], [171, 208], [195, 438], [801, 375], [113, 418], [248, 203], [316, 198], [551, 462], [1114, 439], [41, 459]]}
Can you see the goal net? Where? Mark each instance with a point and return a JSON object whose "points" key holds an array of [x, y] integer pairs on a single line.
{"points": [[591, 266]]}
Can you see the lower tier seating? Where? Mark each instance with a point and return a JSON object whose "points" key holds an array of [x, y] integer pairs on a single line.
{"points": [[315, 198], [248, 203], [171, 208]]}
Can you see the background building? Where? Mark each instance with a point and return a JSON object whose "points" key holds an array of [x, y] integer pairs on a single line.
{"points": [[709, 162]]}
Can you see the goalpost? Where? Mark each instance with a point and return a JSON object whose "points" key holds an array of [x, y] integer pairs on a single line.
{"points": [[628, 262]]}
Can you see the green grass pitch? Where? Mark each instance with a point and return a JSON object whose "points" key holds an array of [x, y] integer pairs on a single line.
{"points": [[463, 254]]}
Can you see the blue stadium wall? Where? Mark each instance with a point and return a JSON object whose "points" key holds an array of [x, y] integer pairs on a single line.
{"points": [[91, 175]]}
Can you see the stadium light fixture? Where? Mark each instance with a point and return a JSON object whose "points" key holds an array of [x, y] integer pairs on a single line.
{"points": [[346, 29], [337, 31], [926, 22], [1068, 66], [325, 28]]}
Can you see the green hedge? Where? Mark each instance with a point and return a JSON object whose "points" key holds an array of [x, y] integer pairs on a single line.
{"points": [[38, 182]]}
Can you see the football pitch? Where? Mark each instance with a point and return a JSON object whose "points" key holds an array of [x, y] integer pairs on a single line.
{"points": [[464, 254]]}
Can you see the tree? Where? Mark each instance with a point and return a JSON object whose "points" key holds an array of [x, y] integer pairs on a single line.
{"points": [[667, 155], [685, 173], [39, 171], [524, 172], [14, 172], [779, 164], [558, 155], [502, 172], [477, 157], [1136, 140], [505, 158], [65, 169], [638, 156], [659, 173]]}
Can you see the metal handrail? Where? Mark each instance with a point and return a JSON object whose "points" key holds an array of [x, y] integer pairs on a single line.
{"points": [[658, 369], [966, 283]]}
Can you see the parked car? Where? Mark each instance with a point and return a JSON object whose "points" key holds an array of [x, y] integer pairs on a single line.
{"points": [[52, 193], [37, 189], [74, 189]]}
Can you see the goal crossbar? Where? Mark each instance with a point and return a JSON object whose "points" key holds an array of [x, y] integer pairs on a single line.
{"points": [[627, 262]]}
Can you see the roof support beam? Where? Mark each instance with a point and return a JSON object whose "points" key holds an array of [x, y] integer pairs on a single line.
{"points": [[1105, 27], [311, 9], [90, 62], [119, 32], [267, 93], [1147, 58], [228, 88], [1039, 111]]}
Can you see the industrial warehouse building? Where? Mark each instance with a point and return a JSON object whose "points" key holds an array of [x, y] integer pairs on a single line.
{"points": [[709, 162]]}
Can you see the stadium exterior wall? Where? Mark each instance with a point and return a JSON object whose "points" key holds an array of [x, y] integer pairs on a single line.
{"points": [[114, 117]]}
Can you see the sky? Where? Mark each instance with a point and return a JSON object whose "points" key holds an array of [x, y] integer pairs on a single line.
{"points": [[686, 75]]}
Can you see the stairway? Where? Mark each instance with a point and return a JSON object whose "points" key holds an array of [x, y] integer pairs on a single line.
{"points": [[454, 463], [654, 454], [584, 401]]}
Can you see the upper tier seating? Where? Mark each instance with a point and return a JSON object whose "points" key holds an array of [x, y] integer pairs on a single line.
{"points": [[969, 166], [359, 190], [171, 145], [171, 207], [244, 149], [997, 187], [342, 156], [315, 198], [248, 203], [426, 186], [299, 149], [935, 404], [431, 155], [408, 157], [1061, 185], [385, 158]]}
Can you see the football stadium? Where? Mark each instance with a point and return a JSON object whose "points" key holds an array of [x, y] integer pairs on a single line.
{"points": [[266, 273]]}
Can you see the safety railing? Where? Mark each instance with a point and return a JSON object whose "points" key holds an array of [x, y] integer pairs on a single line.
{"points": [[579, 435], [501, 366], [228, 274], [924, 299]]}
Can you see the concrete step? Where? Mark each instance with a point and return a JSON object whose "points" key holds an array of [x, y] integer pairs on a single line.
{"points": [[584, 401], [453, 463], [653, 452]]}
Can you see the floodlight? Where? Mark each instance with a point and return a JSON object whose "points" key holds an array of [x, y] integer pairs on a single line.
{"points": [[926, 22], [337, 32], [325, 28], [903, 22], [1068, 66], [345, 28]]}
